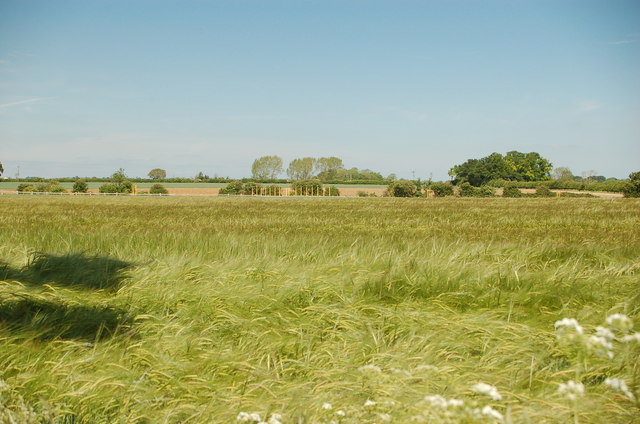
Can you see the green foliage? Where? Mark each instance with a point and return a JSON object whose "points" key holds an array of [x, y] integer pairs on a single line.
{"points": [[312, 187], [402, 188], [45, 187], [119, 183], [157, 174], [511, 191], [301, 169], [562, 173], [1, 168], [80, 186], [267, 167], [108, 188], [442, 189], [234, 187], [632, 187], [544, 191], [328, 168], [514, 166], [24, 187], [467, 190], [158, 189], [331, 191], [201, 177]]}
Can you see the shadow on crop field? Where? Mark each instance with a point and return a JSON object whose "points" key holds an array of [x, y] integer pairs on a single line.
{"points": [[75, 269], [52, 316], [49, 319]]}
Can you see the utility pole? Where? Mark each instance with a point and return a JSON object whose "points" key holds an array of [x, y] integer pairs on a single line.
{"points": [[18, 173], [414, 174]]}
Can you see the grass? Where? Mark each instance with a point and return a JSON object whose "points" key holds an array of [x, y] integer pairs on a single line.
{"points": [[174, 310]]}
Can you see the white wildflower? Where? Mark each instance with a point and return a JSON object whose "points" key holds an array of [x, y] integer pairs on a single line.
{"points": [[618, 385], [3, 386], [341, 413], [385, 417], [635, 337], [568, 327], [605, 333], [369, 402], [327, 406], [487, 390], [456, 403], [571, 389], [600, 346], [619, 322], [275, 419], [490, 412], [436, 400], [370, 367], [245, 417]]}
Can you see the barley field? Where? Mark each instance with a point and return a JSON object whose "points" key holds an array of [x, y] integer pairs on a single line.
{"points": [[224, 310]]}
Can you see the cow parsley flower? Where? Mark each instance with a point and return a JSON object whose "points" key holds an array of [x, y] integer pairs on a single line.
{"points": [[369, 402], [275, 419], [371, 368], [600, 346], [385, 418], [245, 417], [492, 413], [568, 328], [571, 389], [618, 385], [605, 333], [635, 337], [619, 322], [487, 390], [341, 413], [327, 406]]}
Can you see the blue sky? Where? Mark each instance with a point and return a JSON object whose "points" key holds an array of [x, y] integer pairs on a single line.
{"points": [[87, 87]]}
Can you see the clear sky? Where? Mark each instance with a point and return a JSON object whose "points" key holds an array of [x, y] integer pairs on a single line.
{"points": [[89, 86]]}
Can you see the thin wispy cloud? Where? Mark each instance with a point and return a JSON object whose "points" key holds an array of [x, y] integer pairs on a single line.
{"points": [[615, 43], [588, 105], [21, 102]]}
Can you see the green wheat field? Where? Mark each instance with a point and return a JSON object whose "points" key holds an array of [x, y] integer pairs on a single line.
{"points": [[224, 310]]}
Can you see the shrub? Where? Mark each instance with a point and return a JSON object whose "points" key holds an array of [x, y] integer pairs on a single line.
{"points": [[544, 191], [158, 189], [80, 186], [331, 191], [252, 188], [108, 188], [511, 192], [402, 188], [442, 189], [50, 187], [362, 193], [467, 190], [312, 187], [234, 187], [631, 188], [26, 188]]}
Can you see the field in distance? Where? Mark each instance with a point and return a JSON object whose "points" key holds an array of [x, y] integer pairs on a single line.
{"points": [[175, 310]]}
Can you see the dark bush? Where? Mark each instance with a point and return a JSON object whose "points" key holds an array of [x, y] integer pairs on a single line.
{"points": [[80, 186], [331, 191], [311, 187], [632, 187], [26, 188], [234, 187], [402, 188], [511, 192], [442, 189], [544, 191], [158, 189], [108, 188]]}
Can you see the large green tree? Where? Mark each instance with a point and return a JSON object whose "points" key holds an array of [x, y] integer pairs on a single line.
{"points": [[1, 168], [562, 173], [157, 174], [514, 166], [266, 167], [632, 187], [301, 169], [328, 168]]}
